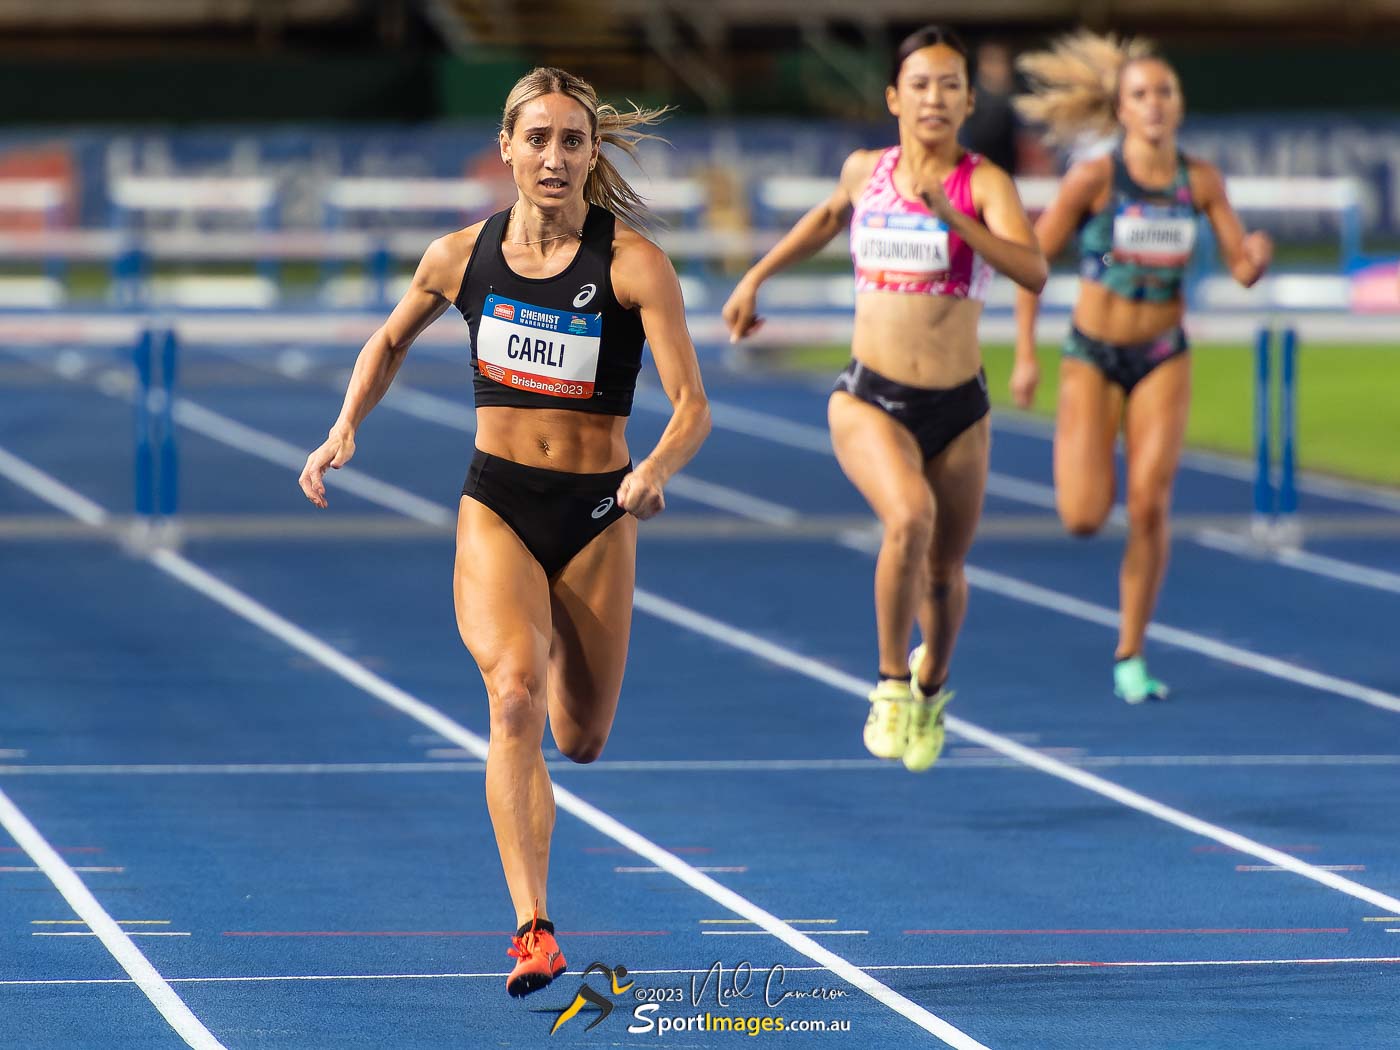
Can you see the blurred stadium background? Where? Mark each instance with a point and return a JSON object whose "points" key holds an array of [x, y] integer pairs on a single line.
{"points": [[255, 164]]}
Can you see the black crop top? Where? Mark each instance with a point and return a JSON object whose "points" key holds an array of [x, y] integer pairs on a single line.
{"points": [[552, 342]]}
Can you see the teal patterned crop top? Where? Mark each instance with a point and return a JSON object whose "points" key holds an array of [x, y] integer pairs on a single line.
{"points": [[1139, 245]]}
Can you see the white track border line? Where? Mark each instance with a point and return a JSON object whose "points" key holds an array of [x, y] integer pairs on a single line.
{"points": [[185, 571], [1088, 965], [457, 764], [113, 937]]}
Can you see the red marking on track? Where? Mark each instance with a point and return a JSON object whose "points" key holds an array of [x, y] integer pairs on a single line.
{"points": [[437, 933], [1127, 933], [1213, 848], [669, 849]]}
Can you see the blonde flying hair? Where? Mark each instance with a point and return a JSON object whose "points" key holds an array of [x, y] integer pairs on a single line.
{"points": [[1074, 85], [605, 185]]}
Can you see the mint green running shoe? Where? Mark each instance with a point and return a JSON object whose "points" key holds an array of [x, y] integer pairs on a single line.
{"points": [[887, 727], [926, 732], [1132, 683]]}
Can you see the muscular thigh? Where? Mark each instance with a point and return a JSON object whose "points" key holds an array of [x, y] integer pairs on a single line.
{"points": [[878, 454], [501, 597], [1156, 424], [1086, 426], [591, 616], [958, 478]]}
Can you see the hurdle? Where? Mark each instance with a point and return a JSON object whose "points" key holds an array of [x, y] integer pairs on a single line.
{"points": [[1275, 523], [156, 457]]}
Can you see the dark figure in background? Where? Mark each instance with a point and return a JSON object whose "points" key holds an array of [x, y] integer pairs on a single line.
{"points": [[991, 128]]}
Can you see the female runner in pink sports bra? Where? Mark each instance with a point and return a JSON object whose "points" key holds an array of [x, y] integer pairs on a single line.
{"points": [[929, 222]]}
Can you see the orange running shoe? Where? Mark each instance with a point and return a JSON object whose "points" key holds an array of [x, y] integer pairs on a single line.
{"points": [[540, 960]]}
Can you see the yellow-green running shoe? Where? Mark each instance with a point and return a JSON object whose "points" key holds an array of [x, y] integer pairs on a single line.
{"points": [[887, 728], [1132, 683], [926, 733]]}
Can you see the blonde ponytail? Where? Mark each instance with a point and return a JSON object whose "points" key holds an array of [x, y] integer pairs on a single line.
{"points": [[605, 186], [1074, 85]]}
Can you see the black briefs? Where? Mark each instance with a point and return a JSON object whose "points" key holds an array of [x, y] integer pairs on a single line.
{"points": [[934, 417], [556, 514]]}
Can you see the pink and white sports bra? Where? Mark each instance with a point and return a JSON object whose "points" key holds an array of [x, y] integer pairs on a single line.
{"points": [[898, 245]]}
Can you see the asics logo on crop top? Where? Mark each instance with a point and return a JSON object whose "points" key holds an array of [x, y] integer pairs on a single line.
{"points": [[603, 508], [585, 294]]}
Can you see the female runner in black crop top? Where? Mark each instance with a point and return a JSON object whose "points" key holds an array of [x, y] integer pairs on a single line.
{"points": [[545, 553]]}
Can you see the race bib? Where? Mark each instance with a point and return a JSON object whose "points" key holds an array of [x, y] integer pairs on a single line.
{"points": [[534, 348], [899, 248], [1152, 235]]}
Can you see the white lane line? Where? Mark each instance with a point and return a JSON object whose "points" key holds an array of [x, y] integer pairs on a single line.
{"points": [[738, 869], [765, 933], [744, 641], [129, 933], [51, 490], [893, 968], [274, 450], [1320, 867], [352, 671], [1319, 564], [808, 438], [1011, 587], [9, 868], [950, 761], [113, 937]]}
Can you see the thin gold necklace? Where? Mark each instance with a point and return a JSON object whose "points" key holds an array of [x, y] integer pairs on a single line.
{"points": [[545, 240]]}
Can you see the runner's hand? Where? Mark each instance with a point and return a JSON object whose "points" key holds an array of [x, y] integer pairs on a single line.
{"points": [[640, 493], [740, 313], [1025, 377], [334, 453], [935, 198], [1258, 250]]}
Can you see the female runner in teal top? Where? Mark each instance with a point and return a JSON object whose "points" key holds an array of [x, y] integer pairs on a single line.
{"points": [[1124, 365]]}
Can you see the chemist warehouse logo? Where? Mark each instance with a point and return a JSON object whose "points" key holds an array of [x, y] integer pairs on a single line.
{"points": [[505, 311]]}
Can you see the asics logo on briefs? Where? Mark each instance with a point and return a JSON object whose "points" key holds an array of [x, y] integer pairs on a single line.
{"points": [[887, 404], [603, 508], [585, 294]]}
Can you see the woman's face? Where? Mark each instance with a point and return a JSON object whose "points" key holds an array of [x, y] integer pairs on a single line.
{"points": [[550, 151], [931, 98], [1149, 101]]}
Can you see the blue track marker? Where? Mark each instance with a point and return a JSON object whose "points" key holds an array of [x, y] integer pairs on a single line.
{"points": [[144, 457], [1263, 455], [165, 427], [1288, 424]]}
